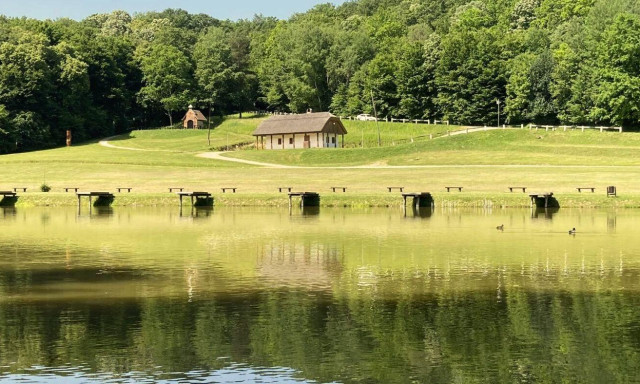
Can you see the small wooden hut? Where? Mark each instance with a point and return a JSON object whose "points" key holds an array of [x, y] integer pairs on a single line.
{"points": [[309, 130], [193, 119]]}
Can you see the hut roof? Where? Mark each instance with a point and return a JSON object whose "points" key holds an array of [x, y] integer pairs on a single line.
{"points": [[199, 115], [302, 123]]}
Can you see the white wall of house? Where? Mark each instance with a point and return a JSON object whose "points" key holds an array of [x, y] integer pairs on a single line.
{"points": [[328, 140]]}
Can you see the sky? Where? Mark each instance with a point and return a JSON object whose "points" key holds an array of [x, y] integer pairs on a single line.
{"points": [[220, 9]]}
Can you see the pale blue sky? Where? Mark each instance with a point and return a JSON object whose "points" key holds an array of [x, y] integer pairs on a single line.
{"points": [[220, 9]]}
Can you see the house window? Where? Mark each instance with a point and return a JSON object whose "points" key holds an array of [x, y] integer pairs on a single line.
{"points": [[333, 140], [290, 140], [279, 141]]}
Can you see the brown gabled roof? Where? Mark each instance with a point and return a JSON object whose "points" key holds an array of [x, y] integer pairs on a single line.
{"points": [[303, 123], [199, 115]]}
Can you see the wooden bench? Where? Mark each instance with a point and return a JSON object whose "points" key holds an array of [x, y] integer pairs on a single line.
{"points": [[75, 189], [593, 189], [401, 189], [123, 188], [524, 189], [171, 189], [23, 189], [225, 189], [344, 189], [450, 188], [287, 188]]}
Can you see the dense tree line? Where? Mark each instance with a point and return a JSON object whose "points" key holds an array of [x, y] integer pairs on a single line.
{"points": [[546, 61]]}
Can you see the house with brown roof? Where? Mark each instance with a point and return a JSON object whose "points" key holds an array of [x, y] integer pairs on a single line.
{"points": [[309, 130], [193, 118]]}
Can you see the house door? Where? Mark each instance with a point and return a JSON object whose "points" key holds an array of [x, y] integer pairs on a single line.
{"points": [[190, 124], [307, 141]]}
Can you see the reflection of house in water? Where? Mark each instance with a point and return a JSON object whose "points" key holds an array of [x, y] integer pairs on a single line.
{"points": [[307, 264]]}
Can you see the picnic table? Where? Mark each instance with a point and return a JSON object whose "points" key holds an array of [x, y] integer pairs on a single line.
{"points": [[593, 189], [24, 189], [524, 189], [344, 189], [287, 188], [458, 188], [225, 189], [171, 189], [123, 188], [75, 189], [401, 189]]}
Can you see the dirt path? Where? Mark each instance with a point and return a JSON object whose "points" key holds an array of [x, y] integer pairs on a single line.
{"points": [[220, 156]]}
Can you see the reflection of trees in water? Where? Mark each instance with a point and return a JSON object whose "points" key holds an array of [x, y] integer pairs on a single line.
{"points": [[532, 335]]}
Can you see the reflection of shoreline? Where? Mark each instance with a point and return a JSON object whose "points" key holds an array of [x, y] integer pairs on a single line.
{"points": [[300, 265]]}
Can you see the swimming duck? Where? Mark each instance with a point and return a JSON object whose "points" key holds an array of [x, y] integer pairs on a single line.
{"points": [[572, 231], [500, 227]]}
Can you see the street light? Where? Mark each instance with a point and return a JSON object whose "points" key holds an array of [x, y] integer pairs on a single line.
{"points": [[498, 102]]}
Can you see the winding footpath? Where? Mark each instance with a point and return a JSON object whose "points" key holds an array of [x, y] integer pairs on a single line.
{"points": [[220, 157]]}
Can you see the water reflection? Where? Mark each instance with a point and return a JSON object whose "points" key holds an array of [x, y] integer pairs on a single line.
{"points": [[196, 212], [95, 211], [419, 212], [308, 211], [8, 212], [546, 213], [350, 296]]}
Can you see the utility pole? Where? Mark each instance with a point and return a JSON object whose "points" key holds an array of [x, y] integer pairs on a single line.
{"points": [[209, 129], [375, 114], [498, 102]]}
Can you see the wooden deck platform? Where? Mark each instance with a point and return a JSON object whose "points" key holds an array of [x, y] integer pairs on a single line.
{"points": [[200, 197], [307, 199], [543, 200], [420, 199], [8, 198], [105, 196]]}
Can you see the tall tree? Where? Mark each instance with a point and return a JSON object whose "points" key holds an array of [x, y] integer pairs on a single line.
{"points": [[167, 77]]}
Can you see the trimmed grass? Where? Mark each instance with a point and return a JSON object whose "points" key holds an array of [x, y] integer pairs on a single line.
{"points": [[484, 163], [234, 131], [497, 147]]}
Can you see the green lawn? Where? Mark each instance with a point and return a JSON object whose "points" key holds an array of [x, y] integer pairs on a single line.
{"points": [[497, 147], [484, 163]]}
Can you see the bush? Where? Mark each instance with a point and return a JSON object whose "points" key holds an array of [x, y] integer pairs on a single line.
{"points": [[45, 188]]}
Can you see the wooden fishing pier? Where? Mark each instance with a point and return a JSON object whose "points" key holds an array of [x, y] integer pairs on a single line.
{"points": [[307, 199]]}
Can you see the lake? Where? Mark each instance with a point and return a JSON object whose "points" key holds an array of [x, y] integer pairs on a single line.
{"points": [[265, 295]]}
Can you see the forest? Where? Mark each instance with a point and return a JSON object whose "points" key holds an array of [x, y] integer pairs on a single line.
{"points": [[542, 61]]}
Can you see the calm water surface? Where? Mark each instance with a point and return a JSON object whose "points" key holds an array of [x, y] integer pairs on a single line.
{"points": [[339, 295]]}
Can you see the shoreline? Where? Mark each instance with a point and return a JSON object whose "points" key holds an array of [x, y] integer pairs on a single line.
{"points": [[347, 200]]}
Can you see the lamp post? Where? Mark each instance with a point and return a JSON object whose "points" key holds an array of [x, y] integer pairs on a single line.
{"points": [[498, 102]]}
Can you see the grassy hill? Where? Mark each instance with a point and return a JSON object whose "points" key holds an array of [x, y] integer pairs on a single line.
{"points": [[497, 147], [484, 163]]}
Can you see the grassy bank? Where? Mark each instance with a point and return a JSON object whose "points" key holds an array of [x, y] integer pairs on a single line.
{"points": [[484, 163], [329, 199]]}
